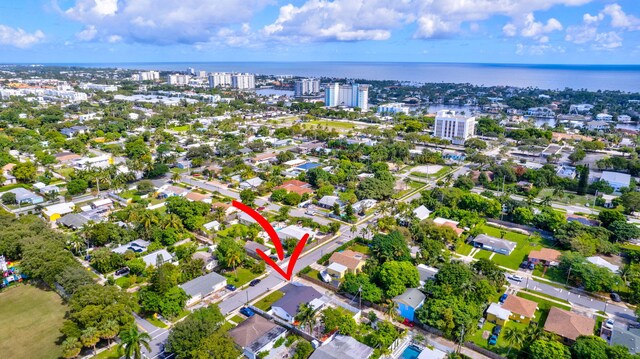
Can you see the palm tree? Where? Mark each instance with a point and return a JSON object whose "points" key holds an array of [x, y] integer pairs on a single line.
{"points": [[515, 337], [76, 244], [176, 177], [234, 258], [131, 342], [71, 348], [546, 201], [390, 308], [306, 316], [90, 337], [171, 221], [353, 230], [109, 330]]}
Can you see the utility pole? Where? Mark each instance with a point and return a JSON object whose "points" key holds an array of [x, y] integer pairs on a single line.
{"points": [[568, 274]]}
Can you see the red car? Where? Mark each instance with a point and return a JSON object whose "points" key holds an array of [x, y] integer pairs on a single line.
{"points": [[408, 323], [260, 209]]}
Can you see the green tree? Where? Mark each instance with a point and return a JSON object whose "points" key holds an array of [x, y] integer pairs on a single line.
{"points": [[390, 247], [193, 331], [9, 198], [630, 201], [608, 216], [515, 337], [303, 350], [542, 349], [395, 277], [77, 186], [306, 316], [25, 172], [577, 155], [623, 231], [247, 197], [71, 348], [90, 337], [583, 180], [131, 342]]}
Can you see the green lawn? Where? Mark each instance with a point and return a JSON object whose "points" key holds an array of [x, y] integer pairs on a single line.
{"points": [[238, 319], [314, 274], [502, 346], [265, 303], [413, 185], [525, 244], [464, 249], [244, 276], [552, 273], [109, 354], [359, 248], [546, 296], [181, 128], [66, 171], [485, 254], [157, 322], [334, 124], [31, 319]]}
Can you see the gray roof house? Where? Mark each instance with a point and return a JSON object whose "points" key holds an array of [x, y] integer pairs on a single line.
{"points": [[203, 286], [151, 259], [493, 244], [342, 346], [409, 301], [137, 246], [26, 196], [287, 306], [426, 273], [627, 338], [73, 220], [250, 247], [251, 183], [329, 201], [256, 335]]}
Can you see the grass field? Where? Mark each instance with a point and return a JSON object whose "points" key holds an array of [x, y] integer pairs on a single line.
{"points": [[31, 319], [265, 303], [108, 354], [360, 248], [464, 249], [501, 346], [333, 124], [244, 276], [413, 185], [181, 128], [525, 244]]}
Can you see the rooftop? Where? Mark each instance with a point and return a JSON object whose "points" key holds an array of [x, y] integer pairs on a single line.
{"points": [[203, 285], [412, 297], [255, 332], [568, 324], [342, 346], [521, 306]]}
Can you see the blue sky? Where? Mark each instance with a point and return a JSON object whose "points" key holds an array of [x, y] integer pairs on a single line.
{"points": [[492, 31]]}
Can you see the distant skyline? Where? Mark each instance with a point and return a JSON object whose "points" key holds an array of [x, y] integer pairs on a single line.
{"points": [[458, 31]]}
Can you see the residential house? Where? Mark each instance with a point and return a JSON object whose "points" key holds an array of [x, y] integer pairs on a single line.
{"points": [[493, 244], [210, 263], [53, 212], [307, 147], [226, 208], [295, 232], [212, 226], [86, 163], [104, 203], [49, 189], [629, 338], [307, 166], [616, 180], [421, 213], [183, 165], [245, 218], [426, 273], [74, 131], [74, 221], [601, 262], [294, 163], [251, 183], [296, 186], [137, 246], [568, 325], [596, 125], [363, 205], [566, 172], [67, 157], [329, 201], [608, 200], [547, 256], [448, 223], [251, 248], [337, 270], [352, 260], [496, 314], [256, 335], [203, 286], [409, 302], [263, 158], [171, 191], [287, 307], [342, 346], [522, 310], [25, 196], [159, 256], [198, 197]]}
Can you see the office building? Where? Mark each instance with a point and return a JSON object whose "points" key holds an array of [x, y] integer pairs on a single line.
{"points": [[454, 127], [243, 81], [306, 87], [202, 74], [178, 79], [146, 76], [350, 95]]}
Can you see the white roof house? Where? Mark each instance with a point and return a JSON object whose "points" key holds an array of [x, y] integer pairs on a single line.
{"points": [[498, 311], [295, 232], [151, 259], [600, 262], [616, 180], [421, 213], [59, 209]]}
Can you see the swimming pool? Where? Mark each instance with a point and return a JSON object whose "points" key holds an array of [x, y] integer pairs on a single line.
{"points": [[411, 352]]}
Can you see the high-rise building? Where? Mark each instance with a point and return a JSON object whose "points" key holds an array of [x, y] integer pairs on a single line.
{"points": [[202, 74], [393, 108], [350, 95], [306, 87], [178, 79], [146, 76], [454, 127], [219, 79], [243, 81]]}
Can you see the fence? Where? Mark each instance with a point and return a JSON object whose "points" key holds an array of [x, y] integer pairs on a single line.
{"points": [[483, 351]]}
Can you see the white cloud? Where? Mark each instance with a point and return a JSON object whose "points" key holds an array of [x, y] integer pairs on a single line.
{"points": [[376, 19], [17, 37], [529, 27], [159, 21], [588, 33], [537, 49]]}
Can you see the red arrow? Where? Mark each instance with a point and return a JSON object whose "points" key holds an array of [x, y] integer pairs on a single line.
{"points": [[276, 242]]}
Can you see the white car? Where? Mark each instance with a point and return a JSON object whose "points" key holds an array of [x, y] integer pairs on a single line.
{"points": [[515, 278], [609, 324]]}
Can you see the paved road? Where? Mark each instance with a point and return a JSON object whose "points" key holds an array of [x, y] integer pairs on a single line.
{"points": [[158, 337], [576, 298], [210, 186]]}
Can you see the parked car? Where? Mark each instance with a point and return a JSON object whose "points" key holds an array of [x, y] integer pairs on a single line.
{"points": [[609, 324], [123, 271], [496, 330], [493, 340], [408, 323], [532, 266], [247, 312], [230, 287], [524, 264], [260, 209], [274, 258], [515, 278], [481, 322], [325, 277], [254, 282], [503, 297], [615, 297]]}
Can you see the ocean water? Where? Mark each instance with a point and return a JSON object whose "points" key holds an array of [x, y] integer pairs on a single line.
{"points": [[591, 77]]}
